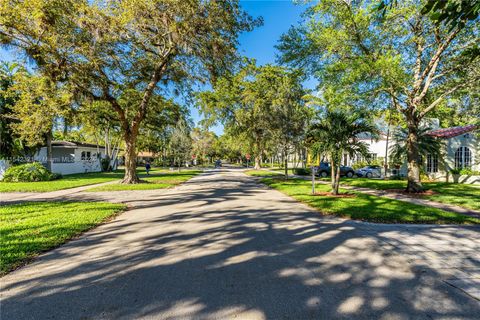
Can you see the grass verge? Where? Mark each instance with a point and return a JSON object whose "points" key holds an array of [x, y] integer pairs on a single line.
{"points": [[464, 195], [365, 207], [66, 182], [156, 180], [263, 173], [30, 228]]}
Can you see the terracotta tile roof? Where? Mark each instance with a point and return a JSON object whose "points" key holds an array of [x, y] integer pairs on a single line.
{"points": [[146, 154], [452, 132]]}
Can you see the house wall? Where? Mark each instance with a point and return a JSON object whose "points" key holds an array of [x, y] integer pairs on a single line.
{"points": [[447, 162], [468, 140], [72, 162], [4, 165], [374, 147]]}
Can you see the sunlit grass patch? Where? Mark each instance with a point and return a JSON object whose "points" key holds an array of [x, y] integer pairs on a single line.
{"points": [[30, 228], [366, 207], [156, 180], [464, 195]]}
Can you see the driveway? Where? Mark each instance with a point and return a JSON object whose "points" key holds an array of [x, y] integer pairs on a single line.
{"points": [[223, 247]]}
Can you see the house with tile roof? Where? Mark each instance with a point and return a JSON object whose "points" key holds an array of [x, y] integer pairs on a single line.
{"points": [[461, 151]]}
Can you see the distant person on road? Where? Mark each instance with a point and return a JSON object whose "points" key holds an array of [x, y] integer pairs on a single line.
{"points": [[218, 164], [148, 167]]}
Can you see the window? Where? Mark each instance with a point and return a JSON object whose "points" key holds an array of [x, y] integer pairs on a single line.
{"points": [[463, 158], [432, 163], [86, 155]]}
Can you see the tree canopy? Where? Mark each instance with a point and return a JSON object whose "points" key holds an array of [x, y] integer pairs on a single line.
{"points": [[405, 60], [108, 49]]}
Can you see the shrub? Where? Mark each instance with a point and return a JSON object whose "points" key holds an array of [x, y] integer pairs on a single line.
{"points": [[28, 172], [56, 176], [105, 162], [455, 171], [302, 171], [396, 177], [359, 164], [465, 171]]}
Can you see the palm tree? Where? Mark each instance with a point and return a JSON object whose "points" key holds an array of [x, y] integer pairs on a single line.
{"points": [[427, 144], [337, 134]]}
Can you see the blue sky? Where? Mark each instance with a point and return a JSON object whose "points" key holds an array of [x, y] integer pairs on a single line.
{"points": [[278, 16]]}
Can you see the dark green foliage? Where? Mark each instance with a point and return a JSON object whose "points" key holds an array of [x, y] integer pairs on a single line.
{"points": [[7, 139], [28, 172], [427, 145], [105, 162], [465, 171], [302, 171], [452, 12]]}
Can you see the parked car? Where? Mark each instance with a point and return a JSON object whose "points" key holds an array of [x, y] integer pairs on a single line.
{"points": [[369, 172], [324, 170]]}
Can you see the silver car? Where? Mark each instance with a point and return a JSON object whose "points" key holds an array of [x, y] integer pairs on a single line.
{"points": [[370, 172]]}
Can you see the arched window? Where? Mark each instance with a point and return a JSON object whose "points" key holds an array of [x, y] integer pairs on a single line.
{"points": [[463, 158], [432, 163]]}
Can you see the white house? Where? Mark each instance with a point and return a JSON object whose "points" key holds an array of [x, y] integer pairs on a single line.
{"points": [[73, 157], [376, 148], [461, 150]]}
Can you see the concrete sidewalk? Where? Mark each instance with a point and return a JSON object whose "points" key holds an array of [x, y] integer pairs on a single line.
{"points": [[223, 247], [17, 197]]}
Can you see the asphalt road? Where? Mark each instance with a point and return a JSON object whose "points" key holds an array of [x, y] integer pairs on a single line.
{"points": [[223, 247]]}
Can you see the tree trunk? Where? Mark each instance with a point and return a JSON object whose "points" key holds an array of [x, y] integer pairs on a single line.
{"points": [[385, 163], [335, 173], [332, 173], [414, 184], [130, 160], [286, 162], [337, 180], [257, 162], [49, 150], [313, 181]]}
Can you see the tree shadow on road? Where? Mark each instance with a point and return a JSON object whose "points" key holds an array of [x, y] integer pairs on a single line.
{"points": [[275, 262]]}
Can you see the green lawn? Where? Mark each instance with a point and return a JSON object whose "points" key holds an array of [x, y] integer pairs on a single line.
{"points": [[85, 179], [262, 173], [365, 207], [464, 195], [67, 182], [28, 229], [158, 179]]}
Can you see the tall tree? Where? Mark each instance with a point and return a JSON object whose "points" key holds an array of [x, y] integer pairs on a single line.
{"points": [[180, 144], [7, 138], [242, 104], [262, 104], [406, 58], [38, 103], [203, 144], [107, 48], [289, 112]]}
